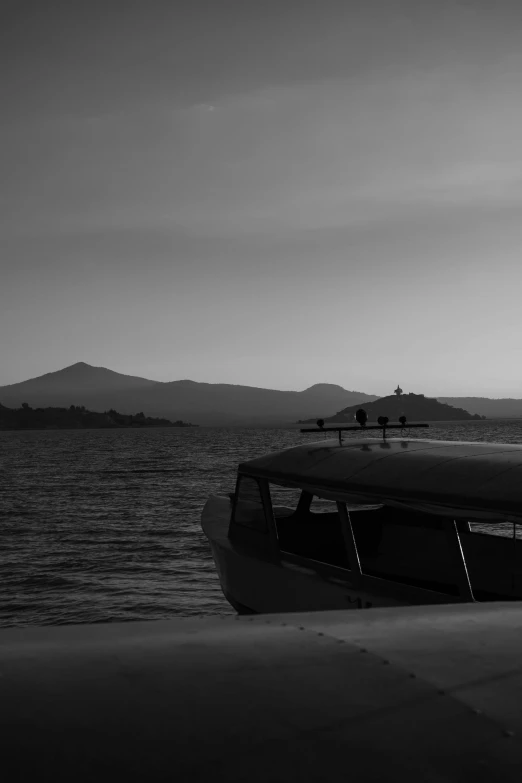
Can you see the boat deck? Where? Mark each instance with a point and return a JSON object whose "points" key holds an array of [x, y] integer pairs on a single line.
{"points": [[416, 693]]}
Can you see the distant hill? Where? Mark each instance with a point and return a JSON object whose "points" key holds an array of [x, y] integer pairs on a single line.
{"points": [[75, 417], [100, 389], [79, 377], [416, 407], [328, 390], [502, 408]]}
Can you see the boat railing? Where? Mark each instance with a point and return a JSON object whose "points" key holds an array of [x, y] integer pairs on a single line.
{"points": [[382, 424]]}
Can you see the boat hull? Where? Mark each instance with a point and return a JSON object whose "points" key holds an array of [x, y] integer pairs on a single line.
{"points": [[252, 584]]}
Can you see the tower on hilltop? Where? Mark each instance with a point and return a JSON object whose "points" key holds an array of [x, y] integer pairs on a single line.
{"points": [[398, 391]]}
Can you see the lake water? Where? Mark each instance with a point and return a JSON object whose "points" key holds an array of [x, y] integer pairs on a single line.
{"points": [[104, 525]]}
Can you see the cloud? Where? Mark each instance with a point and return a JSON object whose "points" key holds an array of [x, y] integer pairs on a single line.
{"points": [[204, 107]]}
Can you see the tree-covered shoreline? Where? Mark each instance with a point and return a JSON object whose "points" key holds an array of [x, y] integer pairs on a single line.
{"points": [[77, 417]]}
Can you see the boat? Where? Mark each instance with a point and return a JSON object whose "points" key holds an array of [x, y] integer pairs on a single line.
{"points": [[370, 522]]}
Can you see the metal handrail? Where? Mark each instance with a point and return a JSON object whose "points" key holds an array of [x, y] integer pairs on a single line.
{"points": [[362, 428]]}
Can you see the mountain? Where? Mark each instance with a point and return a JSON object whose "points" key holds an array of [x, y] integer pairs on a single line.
{"points": [[503, 408], [328, 390], [79, 377], [100, 389], [416, 407]]}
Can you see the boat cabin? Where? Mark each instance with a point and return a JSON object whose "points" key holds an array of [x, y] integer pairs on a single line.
{"points": [[418, 520]]}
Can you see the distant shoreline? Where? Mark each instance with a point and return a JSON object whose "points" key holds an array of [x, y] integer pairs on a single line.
{"points": [[248, 426], [105, 427], [77, 417]]}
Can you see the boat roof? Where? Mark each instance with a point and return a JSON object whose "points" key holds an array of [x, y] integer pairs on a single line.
{"points": [[480, 481], [411, 694]]}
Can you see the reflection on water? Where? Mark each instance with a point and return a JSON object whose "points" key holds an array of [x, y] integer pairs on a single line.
{"points": [[103, 525]]}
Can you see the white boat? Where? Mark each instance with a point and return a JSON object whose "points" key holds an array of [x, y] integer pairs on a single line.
{"points": [[398, 522]]}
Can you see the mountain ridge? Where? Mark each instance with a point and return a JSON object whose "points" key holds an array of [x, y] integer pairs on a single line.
{"points": [[81, 372], [99, 389]]}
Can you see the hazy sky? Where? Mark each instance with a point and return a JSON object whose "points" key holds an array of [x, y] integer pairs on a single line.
{"points": [[266, 193]]}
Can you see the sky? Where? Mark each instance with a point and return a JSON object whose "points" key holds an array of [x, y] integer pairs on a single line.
{"points": [[272, 194]]}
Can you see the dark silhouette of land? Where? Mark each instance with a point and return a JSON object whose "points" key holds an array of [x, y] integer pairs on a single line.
{"points": [[76, 417], [99, 389], [504, 408], [416, 407]]}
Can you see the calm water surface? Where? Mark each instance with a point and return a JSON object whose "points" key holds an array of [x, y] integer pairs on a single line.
{"points": [[104, 525]]}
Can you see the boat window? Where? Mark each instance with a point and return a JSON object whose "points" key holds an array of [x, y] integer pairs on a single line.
{"points": [[288, 502], [311, 528], [501, 529], [284, 500], [321, 506], [249, 510]]}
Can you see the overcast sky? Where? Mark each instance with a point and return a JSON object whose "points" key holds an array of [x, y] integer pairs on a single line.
{"points": [[267, 193]]}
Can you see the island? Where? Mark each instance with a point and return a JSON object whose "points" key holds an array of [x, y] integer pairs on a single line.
{"points": [[416, 407], [76, 417]]}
